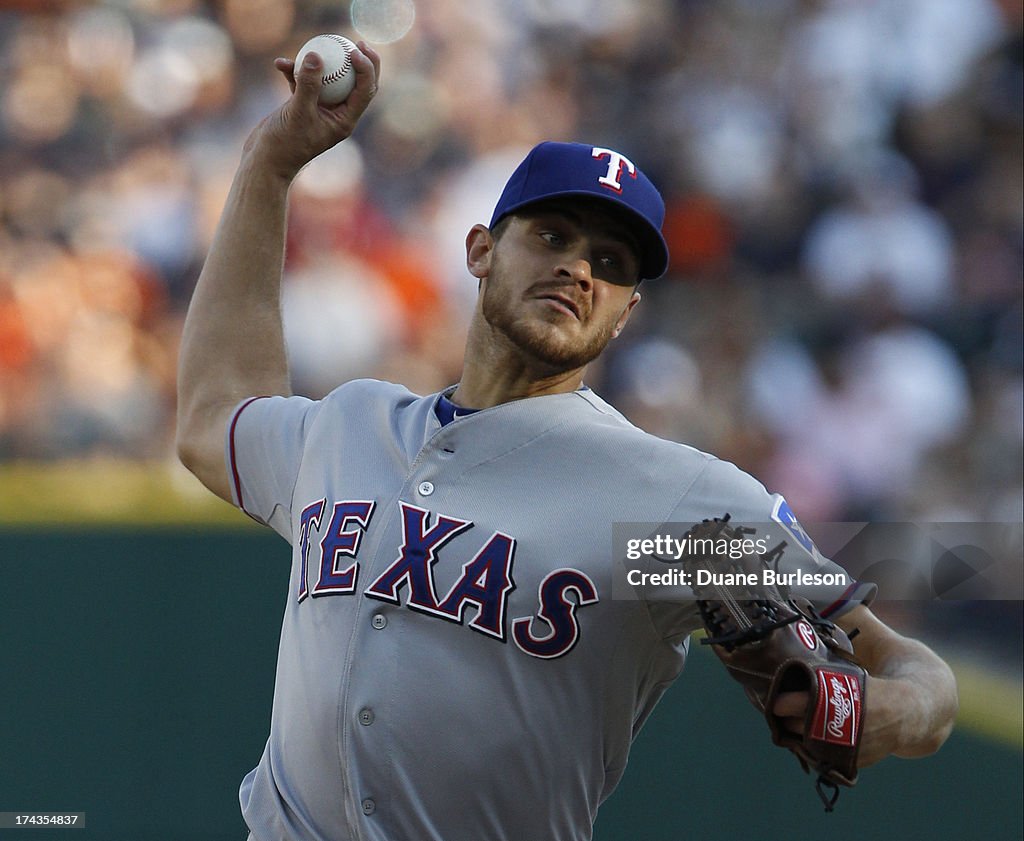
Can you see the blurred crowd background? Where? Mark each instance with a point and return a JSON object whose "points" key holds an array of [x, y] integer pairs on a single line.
{"points": [[843, 313]]}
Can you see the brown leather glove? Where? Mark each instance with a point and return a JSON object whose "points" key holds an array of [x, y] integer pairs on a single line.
{"points": [[771, 644]]}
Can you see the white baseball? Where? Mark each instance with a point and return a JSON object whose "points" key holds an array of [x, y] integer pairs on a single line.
{"points": [[336, 53]]}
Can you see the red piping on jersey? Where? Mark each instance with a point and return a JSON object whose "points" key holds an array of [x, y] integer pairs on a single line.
{"points": [[838, 603], [235, 478]]}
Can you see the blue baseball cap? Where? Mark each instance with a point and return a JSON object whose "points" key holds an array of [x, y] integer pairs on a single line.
{"points": [[552, 170]]}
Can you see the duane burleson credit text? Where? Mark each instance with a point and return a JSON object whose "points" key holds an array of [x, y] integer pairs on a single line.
{"points": [[668, 549]]}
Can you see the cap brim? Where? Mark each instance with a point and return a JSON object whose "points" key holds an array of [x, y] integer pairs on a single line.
{"points": [[654, 257]]}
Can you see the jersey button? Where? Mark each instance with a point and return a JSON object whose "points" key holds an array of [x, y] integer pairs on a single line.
{"points": [[366, 717], [369, 807], [379, 621], [426, 488]]}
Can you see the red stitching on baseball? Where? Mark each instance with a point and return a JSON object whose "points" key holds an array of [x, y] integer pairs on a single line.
{"points": [[341, 71]]}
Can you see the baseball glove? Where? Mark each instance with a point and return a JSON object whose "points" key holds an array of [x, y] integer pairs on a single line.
{"points": [[772, 644]]}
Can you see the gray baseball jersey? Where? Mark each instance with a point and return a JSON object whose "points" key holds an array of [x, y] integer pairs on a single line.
{"points": [[453, 666]]}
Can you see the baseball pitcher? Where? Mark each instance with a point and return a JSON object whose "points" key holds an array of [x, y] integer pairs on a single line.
{"points": [[452, 664]]}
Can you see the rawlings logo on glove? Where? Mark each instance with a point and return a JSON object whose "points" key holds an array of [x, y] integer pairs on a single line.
{"points": [[772, 645], [837, 715]]}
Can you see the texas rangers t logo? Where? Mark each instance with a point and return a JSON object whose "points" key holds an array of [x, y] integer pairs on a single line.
{"points": [[617, 164]]}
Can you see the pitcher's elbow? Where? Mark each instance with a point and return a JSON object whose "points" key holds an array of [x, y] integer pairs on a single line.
{"points": [[186, 451], [188, 443]]}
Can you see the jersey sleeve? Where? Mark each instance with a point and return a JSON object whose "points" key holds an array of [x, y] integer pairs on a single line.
{"points": [[264, 444], [722, 488]]}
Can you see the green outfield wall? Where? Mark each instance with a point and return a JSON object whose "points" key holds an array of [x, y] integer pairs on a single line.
{"points": [[136, 676]]}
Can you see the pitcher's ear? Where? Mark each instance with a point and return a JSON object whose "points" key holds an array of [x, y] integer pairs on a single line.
{"points": [[479, 248], [621, 323]]}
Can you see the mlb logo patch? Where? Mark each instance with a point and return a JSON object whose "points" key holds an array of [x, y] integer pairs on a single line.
{"points": [[784, 516]]}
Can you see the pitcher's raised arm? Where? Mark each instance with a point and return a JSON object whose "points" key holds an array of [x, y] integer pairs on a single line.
{"points": [[233, 340]]}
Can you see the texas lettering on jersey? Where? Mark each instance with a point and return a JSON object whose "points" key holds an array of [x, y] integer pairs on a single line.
{"points": [[484, 585]]}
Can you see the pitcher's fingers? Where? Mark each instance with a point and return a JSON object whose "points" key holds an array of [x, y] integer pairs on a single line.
{"points": [[287, 68], [366, 84], [791, 704], [374, 57], [309, 78]]}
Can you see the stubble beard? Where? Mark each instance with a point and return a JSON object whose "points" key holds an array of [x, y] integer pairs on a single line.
{"points": [[540, 340]]}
